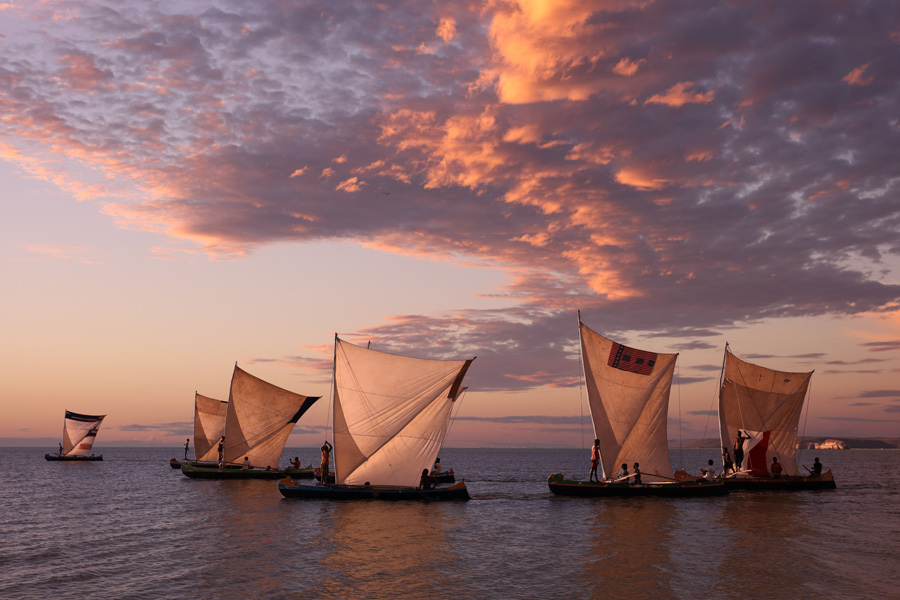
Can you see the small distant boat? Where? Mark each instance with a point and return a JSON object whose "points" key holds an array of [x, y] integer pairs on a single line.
{"points": [[764, 406], [444, 477], [209, 427], [391, 414], [79, 432], [628, 392], [258, 418]]}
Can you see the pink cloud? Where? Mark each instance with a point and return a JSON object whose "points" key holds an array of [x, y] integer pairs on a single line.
{"points": [[856, 77], [678, 95]]}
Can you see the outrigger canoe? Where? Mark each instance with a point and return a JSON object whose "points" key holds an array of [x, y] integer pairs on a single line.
{"points": [[671, 489], [290, 489], [791, 483], [73, 458], [198, 472]]}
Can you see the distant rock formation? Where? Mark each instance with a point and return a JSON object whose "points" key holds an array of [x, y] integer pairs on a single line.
{"points": [[826, 445], [811, 443]]}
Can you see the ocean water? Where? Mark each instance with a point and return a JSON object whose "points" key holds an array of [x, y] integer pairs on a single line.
{"points": [[131, 527]]}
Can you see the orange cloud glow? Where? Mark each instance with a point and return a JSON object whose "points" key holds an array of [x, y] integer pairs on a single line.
{"points": [[856, 77], [678, 95]]}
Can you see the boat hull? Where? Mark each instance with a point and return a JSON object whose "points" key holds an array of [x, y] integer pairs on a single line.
{"points": [[352, 492], [676, 489], [73, 458], [195, 472], [786, 483]]}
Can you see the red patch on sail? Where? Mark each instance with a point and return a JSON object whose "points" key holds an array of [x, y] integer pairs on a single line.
{"points": [[756, 457], [631, 360]]}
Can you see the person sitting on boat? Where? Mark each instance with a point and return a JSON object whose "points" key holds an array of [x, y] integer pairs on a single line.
{"points": [[295, 464], [437, 466], [817, 469], [739, 450], [726, 461], [246, 464], [426, 482], [637, 474], [710, 471], [623, 472], [595, 460], [326, 453], [776, 467]]}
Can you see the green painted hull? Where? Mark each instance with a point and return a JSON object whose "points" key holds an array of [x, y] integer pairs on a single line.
{"points": [[361, 492], [195, 472], [677, 489]]}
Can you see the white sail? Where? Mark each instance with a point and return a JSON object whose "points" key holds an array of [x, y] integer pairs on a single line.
{"points": [[766, 405], [391, 414], [209, 426], [259, 419], [628, 392], [79, 432]]}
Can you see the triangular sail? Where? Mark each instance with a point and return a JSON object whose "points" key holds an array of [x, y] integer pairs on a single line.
{"points": [[259, 419], [391, 414], [209, 426], [766, 405], [628, 392], [79, 432]]}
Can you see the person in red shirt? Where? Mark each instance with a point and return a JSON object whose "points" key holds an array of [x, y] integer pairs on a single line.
{"points": [[776, 467]]}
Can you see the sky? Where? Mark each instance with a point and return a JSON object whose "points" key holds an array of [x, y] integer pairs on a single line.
{"points": [[190, 186]]}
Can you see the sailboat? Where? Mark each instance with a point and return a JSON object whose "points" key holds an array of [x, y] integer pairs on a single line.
{"points": [[79, 432], [391, 415], [764, 406], [628, 392], [259, 417], [209, 427]]}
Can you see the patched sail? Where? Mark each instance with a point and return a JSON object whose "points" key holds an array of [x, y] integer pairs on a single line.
{"points": [[259, 418], [766, 405], [79, 432], [391, 414], [628, 392], [209, 426]]}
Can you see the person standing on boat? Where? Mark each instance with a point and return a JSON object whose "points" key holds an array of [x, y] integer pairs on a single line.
{"points": [[222, 454], [727, 465], [776, 467], [623, 472], [637, 474], [60, 449], [187, 444], [739, 450], [595, 460], [326, 454]]}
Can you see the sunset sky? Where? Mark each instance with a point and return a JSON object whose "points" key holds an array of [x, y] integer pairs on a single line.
{"points": [[190, 185]]}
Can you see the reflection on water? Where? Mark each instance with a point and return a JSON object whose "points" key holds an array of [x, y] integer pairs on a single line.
{"points": [[383, 549], [630, 545], [132, 528]]}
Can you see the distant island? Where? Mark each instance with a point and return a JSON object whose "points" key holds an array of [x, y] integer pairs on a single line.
{"points": [[810, 443]]}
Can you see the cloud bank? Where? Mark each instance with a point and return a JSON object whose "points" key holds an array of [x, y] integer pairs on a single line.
{"points": [[673, 168]]}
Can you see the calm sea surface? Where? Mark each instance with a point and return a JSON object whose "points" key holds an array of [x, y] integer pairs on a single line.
{"points": [[131, 527]]}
